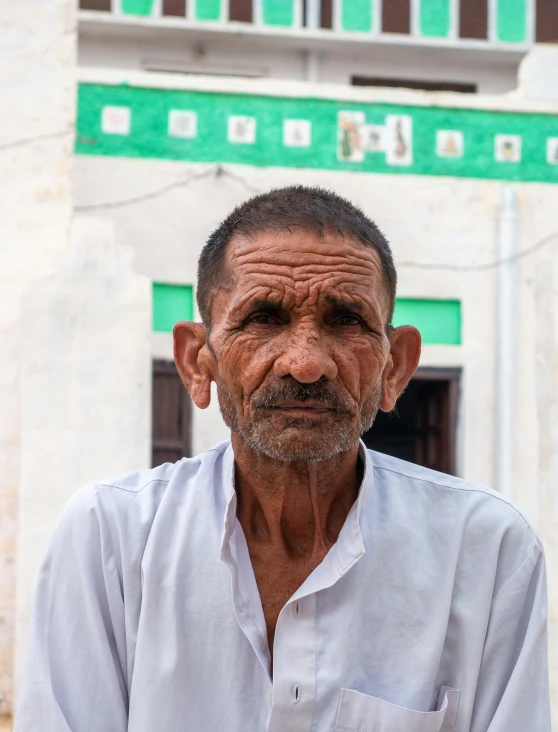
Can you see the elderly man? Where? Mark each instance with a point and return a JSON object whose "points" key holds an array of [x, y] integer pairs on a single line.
{"points": [[291, 580]]}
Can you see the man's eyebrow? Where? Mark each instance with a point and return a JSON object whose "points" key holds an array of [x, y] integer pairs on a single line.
{"points": [[342, 304], [269, 306]]}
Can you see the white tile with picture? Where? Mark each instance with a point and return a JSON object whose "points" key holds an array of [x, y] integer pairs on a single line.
{"points": [[507, 148], [297, 133], [183, 123], [241, 130], [350, 133]]}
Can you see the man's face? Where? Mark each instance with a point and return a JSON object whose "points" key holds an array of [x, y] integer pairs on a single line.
{"points": [[299, 342]]}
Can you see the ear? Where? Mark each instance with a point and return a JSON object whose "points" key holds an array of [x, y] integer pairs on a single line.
{"points": [[401, 365], [194, 361]]}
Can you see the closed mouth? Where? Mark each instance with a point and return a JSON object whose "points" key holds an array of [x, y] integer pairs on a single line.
{"points": [[306, 408]]}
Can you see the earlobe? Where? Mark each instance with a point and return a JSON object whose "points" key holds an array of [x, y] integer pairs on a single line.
{"points": [[402, 363], [193, 361]]}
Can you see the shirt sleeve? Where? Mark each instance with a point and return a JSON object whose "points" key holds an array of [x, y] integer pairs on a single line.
{"points": [[74, 679], [513, 690]]}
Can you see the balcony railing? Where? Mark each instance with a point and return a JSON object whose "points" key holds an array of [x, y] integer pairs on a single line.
{"points": [[500, 23]]}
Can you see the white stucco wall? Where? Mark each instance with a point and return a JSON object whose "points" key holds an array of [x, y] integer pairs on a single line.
{"points": [[85, 389], [37, 82]]}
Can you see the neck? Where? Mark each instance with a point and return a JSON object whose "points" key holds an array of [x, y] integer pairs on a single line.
{"points": [[299, 507]]}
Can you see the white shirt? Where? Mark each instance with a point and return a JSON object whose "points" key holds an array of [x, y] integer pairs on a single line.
{"points": [[428, 614]]}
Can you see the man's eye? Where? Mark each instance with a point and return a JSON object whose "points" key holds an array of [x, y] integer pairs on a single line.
{"points": [[347, 320], [262, 319]]}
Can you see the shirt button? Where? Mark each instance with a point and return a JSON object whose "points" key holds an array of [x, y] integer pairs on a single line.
{"points": [[296, 608], [270, 692], [296, 693]]}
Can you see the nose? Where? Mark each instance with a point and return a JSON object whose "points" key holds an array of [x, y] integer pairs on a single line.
{"points": [[306, 358]]}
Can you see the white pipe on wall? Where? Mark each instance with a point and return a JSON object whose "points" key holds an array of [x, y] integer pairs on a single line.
{"points": [[506, 328]]}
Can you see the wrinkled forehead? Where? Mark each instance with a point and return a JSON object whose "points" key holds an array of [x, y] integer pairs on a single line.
{"points": [[302, 264]]}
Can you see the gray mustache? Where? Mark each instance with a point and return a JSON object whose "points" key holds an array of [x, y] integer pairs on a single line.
{"points": [[322, 392]]}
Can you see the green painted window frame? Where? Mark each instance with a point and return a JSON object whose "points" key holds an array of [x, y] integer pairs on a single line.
{"points": [[435, 18], [208, 9], [511, 21], [171, 303], [439, 321], [356, 15], [137, 7], [278, 12]]}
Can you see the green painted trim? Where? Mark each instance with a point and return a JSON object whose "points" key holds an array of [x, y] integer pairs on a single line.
{"points": [[278, 12], [356, 15], [149, 136], [511, 21], [439, 321], [137, 7], [435, 18], [208, 9], [171, 303]]}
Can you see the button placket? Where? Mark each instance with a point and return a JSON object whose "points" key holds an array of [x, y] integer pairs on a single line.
{"points": [[294, 668]]}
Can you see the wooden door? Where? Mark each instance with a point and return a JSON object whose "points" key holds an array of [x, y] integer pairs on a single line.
{"points": [[171, 415]]}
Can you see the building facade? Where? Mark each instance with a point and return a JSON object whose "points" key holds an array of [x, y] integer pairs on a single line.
{"points": [[164, 114]]}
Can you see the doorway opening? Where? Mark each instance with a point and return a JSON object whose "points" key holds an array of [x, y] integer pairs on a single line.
{"points": [[422, 428], [171, 415]]}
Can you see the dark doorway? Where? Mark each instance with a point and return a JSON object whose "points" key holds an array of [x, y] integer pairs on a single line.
{"points": [[172, 410], [422, 428]]}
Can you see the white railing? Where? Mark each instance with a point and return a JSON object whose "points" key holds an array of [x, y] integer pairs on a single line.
{"points": [[506, 25]]}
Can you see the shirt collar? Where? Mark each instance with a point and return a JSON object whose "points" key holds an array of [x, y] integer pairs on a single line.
{"points": [[347, 550]]}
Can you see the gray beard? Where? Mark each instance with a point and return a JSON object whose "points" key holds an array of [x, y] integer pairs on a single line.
{"points": [[300, 440]]}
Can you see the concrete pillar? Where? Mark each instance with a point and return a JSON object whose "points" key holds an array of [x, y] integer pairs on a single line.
{"points": [[537, 78], [37, 79], [546, 385], [85, 389]]}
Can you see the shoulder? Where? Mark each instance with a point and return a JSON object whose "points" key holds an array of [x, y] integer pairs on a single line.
{"points": [[129, 503], [484, 521]]}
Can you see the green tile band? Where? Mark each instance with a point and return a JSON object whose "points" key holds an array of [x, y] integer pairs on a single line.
{"points": [[439, 321], [435, 18], [171, 303], [356, 15], [149, 136]]}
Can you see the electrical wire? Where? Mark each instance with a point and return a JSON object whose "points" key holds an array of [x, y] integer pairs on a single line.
{"points": [[219, 171], [30, 140], [181, 183], [487, 265]]}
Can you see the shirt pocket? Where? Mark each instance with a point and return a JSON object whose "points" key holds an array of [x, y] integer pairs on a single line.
{"points": [[362, 713]]}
